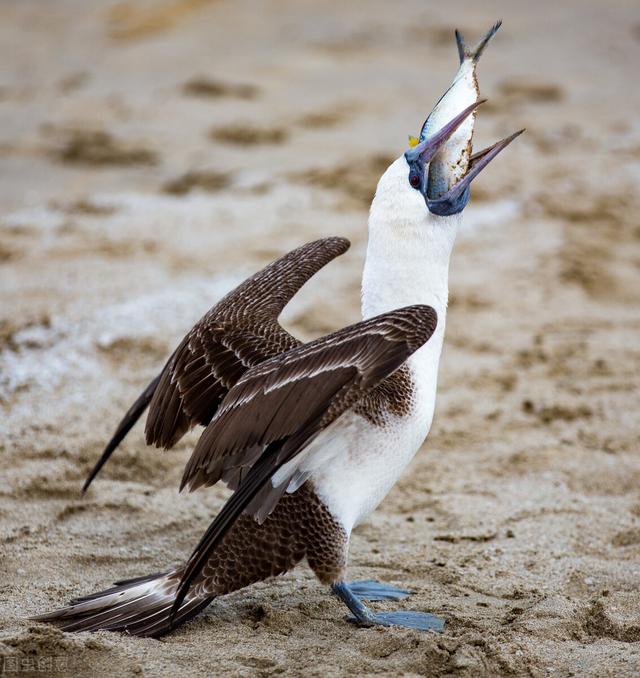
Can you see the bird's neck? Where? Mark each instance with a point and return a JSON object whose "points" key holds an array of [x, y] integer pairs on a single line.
{"points": [[411, 266], [408, 265]]}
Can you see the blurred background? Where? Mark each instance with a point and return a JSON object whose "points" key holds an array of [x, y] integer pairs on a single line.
{"points": [[155, 153]]}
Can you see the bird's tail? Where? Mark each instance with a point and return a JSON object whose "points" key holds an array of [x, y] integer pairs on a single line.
{"points": [[474, 53], [141, 607]]}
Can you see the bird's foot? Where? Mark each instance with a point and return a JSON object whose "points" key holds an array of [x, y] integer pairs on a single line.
{"points": [[374, 590], [423, 621], [363, 616]]}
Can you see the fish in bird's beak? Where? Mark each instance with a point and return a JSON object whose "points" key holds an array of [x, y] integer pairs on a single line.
{"points": [[441, 163]]}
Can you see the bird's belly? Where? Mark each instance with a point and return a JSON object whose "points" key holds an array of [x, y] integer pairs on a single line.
{"points": [[366, 461]]}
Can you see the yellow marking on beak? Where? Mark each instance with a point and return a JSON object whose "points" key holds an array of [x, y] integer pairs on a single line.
{"points": [[413, 141]]}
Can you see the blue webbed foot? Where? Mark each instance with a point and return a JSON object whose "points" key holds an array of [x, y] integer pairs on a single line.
{"points": [[363, 616], [423, 621], [375, 590]]}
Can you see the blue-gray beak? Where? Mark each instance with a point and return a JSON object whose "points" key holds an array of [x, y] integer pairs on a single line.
{"points": [[418, 158]]}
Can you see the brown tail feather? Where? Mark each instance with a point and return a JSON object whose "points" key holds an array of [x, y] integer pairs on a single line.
{"points": [[140, 606]]}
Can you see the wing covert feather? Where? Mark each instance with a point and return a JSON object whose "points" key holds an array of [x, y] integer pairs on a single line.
{"points": [[276, 399]]}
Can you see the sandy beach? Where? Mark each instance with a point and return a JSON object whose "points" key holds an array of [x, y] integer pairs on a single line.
{"points": [[153, 154]]}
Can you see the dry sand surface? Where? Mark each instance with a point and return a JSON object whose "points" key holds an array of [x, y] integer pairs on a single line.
{"points": [[154, 153]]}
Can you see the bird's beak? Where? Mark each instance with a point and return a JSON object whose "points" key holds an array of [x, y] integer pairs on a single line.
{"points": [[418, 158], [455, 199]]}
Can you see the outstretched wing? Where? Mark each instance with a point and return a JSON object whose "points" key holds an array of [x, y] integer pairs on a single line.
{"points": [[284, 403], [239, 332]]}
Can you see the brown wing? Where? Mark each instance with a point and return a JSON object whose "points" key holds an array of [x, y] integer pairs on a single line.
{"points": [[239, 332], [286, 401]]}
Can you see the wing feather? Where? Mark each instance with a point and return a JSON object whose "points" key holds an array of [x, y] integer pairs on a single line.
{"points": [[239, 332]]}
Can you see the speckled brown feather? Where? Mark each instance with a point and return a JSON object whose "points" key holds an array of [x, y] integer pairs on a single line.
{"points": [[282, 396], [393, 396], [238, 332], [300, 527]]}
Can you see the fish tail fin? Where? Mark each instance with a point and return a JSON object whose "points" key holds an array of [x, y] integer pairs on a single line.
{"points": [[140, 606], [466, 53]]}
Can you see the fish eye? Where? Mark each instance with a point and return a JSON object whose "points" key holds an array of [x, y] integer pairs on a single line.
{"points": [[414, 180]]}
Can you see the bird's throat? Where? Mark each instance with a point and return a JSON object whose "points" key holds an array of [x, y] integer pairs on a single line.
{"points": [[407, 266]]}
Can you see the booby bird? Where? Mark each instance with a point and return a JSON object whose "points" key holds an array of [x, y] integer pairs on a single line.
{"points": [[310, 437]]}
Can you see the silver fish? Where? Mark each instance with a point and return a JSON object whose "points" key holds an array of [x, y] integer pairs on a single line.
{"points": [[440, 162], [452, 161]]}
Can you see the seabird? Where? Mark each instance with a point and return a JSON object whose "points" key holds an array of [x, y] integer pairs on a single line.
{"points": [[310, 437]]}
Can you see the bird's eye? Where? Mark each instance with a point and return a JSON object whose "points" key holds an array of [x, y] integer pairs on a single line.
{"points": [[414, 180]]}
